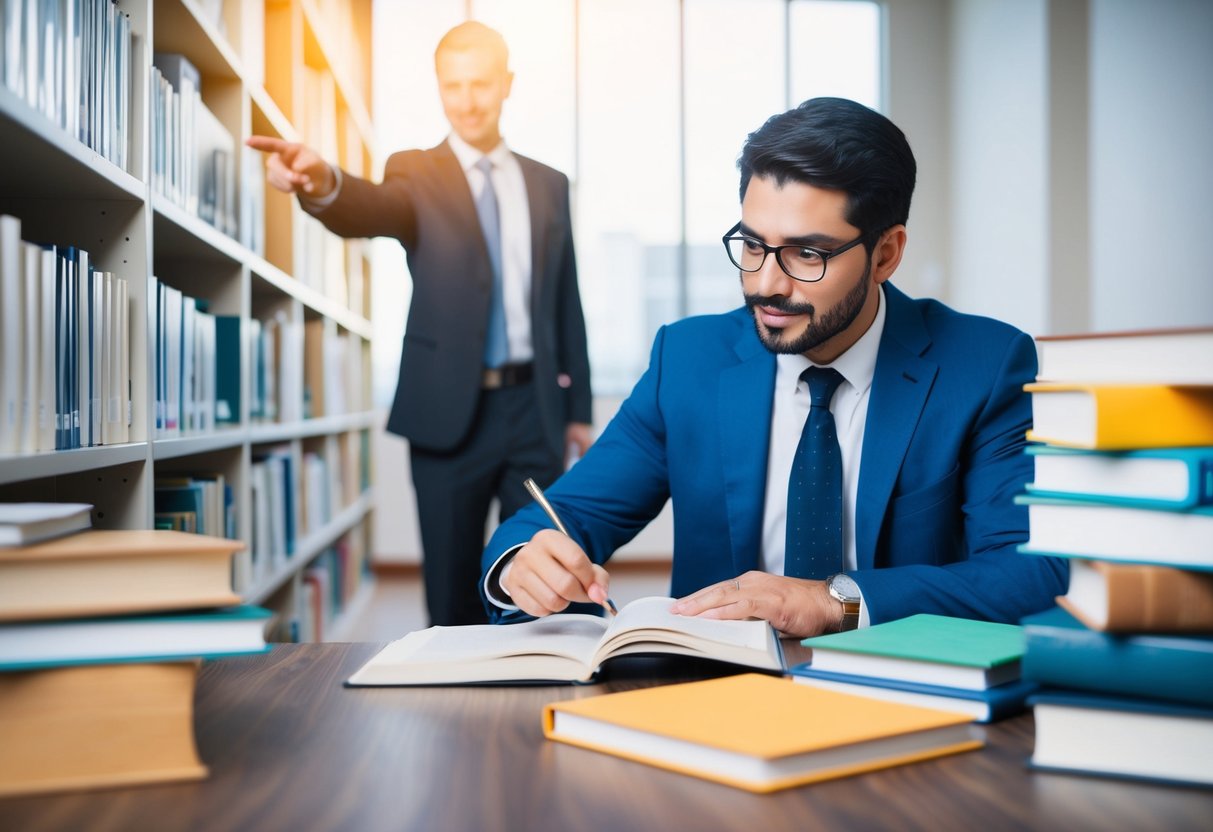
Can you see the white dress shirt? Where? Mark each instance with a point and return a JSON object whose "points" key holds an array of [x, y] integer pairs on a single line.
{"points": [[789, 411], [515, 214]]}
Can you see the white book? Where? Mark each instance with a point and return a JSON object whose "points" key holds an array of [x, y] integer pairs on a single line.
{"points": [[31, 341], [172, 322], [31, 42], [47, 377], [12, 317], [14, 23], [24, 523], [84, 344], [188, 310], [97, 356], [109, 364], [124, 362]]}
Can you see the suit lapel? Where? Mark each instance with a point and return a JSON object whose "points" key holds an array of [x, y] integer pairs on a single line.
{"points": [[539, 223], [899, 392], [455, 185], [744, 404]]}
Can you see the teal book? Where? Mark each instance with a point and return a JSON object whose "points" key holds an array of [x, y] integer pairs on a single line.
{"points": [[1125, 532], [1062, 653], [227, 369], [1157, 477], [928, 649], [230, 631]]}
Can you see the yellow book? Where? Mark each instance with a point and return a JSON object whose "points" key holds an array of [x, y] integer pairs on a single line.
{"points": [[1121, 416], [102, 572], [97, 726], [760, 733]]}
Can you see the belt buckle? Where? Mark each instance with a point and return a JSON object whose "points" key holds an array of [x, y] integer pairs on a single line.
{"points": [[492, 379]]}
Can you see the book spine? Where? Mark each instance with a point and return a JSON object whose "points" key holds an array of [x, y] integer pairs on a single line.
{"points": [[1168, 668]]}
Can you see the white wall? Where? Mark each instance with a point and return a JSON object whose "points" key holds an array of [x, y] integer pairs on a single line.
{"points": [[1151, 163]]}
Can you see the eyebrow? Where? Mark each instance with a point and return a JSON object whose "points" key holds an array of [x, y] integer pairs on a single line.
{"points": [[824, 241]]}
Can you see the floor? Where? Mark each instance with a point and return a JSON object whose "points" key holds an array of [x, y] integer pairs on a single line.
{"points": [[398, 606]]}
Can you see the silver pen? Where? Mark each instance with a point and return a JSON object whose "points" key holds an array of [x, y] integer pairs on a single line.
{"points": [[537, 493]]}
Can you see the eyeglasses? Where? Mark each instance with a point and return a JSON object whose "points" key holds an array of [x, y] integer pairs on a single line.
{"points": [[799, 262]]}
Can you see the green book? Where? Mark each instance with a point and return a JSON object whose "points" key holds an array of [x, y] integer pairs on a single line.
{"points": [[932, 649]]}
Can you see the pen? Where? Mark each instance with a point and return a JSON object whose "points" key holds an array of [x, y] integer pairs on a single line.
{"points": [[537, 493]]}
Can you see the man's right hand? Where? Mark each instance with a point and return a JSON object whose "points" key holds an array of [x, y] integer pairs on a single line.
{"points": [[551, 572], [294, 168]]}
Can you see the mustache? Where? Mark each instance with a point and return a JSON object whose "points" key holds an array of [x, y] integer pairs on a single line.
{"points": [[779, 304]]}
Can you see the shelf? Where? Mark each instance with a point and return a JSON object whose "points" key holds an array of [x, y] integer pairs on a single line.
{"points": [[172, 447], [272, 115], [179, 233], [20, 467], [45, 162], [343, 625], [308, 547], [309, 297], [181, 28], [324, 426]]}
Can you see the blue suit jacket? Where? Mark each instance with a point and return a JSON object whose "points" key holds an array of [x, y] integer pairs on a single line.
{"points": [[935, 524]]}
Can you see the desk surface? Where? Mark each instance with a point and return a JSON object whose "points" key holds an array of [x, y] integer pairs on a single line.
{"points": [[290, 748]]}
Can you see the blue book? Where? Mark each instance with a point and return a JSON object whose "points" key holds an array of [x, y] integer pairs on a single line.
{"points": [[1062, 653], [231, 631], [1124, 532], [1158, 477], [987, 705], [1122, 737]]}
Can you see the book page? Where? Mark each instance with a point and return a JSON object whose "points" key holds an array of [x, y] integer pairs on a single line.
{"points": [[556, 647], [647, 625]]}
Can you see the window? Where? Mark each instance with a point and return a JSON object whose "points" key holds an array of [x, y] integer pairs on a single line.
{"points": [[645, 105]]}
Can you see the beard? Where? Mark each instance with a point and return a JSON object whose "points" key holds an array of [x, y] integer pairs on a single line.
{"points": [[820, 329]]}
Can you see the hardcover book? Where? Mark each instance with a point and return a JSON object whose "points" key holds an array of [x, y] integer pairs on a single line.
{"points": [[115, 572], [987, 705], [24, 523], [1130, 597], [1062, 653], [1121, 416], [95, 726], [1153, 356], [565, 647], [1129, 738], [1166, 477], [208, 634], [1136, 534], [929, 649], [756, 732]]}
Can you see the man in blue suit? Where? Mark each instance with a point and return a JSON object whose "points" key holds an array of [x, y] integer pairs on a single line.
{"points": [[837, 453]]}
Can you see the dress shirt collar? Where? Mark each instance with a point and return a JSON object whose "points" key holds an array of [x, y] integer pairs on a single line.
{"points": [[468, 156], [857, 365]]}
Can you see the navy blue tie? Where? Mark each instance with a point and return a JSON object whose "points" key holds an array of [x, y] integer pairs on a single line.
{"points": [[814, 533], [496, 345]]}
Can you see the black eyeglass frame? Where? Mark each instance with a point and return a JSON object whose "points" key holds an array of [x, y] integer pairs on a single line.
{"points": [[825, 255]]}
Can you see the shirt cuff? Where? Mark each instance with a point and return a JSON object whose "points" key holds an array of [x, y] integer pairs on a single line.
{"points": [[864, 618], [493, 590], [328, 199]]}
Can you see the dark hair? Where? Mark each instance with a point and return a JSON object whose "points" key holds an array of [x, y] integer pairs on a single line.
{"points": [[837, 143]]}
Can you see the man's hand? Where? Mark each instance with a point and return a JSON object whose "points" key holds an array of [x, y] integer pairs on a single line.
{"points": [[577, 435], [794, 606], [552, 571], [294, 168]]}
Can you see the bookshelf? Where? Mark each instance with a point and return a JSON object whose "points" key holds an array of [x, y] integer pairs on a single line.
{"points": [[297, 69]]}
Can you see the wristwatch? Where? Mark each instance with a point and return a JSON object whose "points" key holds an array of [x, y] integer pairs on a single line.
{"points": [[844, 588]]}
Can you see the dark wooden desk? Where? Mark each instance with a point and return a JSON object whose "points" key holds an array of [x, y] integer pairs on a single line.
{"points": [[291, 749]]}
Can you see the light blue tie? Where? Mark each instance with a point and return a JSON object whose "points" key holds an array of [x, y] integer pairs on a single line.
{"points": [[496, 344], [814, 534]]}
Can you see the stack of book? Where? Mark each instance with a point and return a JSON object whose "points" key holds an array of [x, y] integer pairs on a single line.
{"points": [[932, 661], [101, 637], [1123, 487]]}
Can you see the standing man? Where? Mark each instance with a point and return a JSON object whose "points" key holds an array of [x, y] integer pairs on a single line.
{"points": [[837, 453], [494, 380]]}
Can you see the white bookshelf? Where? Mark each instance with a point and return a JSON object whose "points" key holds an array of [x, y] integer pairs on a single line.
{"points": [[67, 194]]}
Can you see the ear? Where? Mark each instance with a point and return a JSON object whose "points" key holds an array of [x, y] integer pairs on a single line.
{"points": [[886, 257], [509, 84]]}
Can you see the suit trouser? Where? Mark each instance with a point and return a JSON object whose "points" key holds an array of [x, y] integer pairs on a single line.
{"points": [[455, 490]]}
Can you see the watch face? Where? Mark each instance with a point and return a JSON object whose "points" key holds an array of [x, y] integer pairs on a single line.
{"points": [[844, 588]]}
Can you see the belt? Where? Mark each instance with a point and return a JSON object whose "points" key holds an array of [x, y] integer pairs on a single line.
{"points": [[507, 375]]}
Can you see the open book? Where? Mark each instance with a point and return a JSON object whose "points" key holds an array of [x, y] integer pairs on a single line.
{"points": [[565, 648]]}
